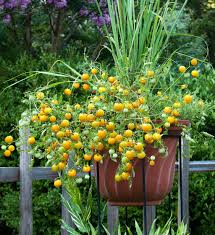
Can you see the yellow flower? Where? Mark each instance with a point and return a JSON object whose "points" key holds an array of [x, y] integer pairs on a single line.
{"points": [[195, 73], [102, 89], [150, 73], [182, 69], [184, 86], [40, 95], [188, 99], [194, 62]]}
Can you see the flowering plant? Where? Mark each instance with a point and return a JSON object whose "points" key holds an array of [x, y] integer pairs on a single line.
{"points": [[111, 116], [90, 10], [115, 113], [7, 7]]}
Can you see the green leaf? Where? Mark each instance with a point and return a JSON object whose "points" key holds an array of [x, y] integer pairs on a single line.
{"points": [[75, 212], [152, 230], [138, 230], [119, 230], [207, 134], [106, 230], [129, 231], [69, 228], [93, 231]]}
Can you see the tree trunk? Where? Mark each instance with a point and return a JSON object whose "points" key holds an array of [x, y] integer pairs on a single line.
{"points": [[13, 29], [57, 29], [28, 32]]}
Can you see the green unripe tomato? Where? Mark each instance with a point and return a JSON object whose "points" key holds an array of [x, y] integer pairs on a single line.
{"points": [[124, 159], [62, 149]]}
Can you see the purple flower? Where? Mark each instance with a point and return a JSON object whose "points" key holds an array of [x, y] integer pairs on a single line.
{"points": [[24, 4], [10, 4], [100, 21], [91, 1], [7, 19], [107, 19], [84, 12], [60, 3], [95, 16], [103, 3], [57, 3], [105, 11]]}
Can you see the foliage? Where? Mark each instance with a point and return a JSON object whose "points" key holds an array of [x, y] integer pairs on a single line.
{"points": [[14, 94], [201, 185], [139, 34], [204, 130], [202, 17], [86, 35], [90, 10], [97, 132], [46, 208], [204, 26], [80, 214], [47, 25], [185, 40], [46, 200], [9, 207], [103, 119], [202, 196]]}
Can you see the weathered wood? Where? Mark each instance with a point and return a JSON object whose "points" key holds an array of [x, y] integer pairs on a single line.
{"points": [[200, 166], [26, 219], [183, 206], [113, 218], [9, 174], [151, 214], [64, 213], [43, 173]]}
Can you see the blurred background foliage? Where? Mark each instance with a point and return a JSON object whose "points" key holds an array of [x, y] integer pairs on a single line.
{"points": [[82, 37]]}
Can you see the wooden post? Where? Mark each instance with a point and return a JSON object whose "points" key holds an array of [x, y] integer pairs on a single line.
{"points": [[151, 213], [64, 213], [113, 218], [26, 219], [185, 152]]}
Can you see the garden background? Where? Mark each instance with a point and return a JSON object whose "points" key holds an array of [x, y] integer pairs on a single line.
{"points": [[34, 35]]}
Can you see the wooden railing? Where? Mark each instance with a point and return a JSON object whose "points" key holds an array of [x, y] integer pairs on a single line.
{"points": [[25, 174]]}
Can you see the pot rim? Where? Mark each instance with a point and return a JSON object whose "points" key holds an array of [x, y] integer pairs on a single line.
{"points": [[174, 130]]}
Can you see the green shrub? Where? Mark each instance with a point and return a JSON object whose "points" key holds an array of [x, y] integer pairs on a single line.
{"points": [[9, 210], [46, 208]]}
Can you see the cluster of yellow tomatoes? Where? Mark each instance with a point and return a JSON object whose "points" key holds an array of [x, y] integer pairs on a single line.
{"points": [[114, 119], [10, 147], [194, 73]]}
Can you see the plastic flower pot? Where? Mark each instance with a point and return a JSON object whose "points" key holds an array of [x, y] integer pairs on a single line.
{"points": [[159, 178]]}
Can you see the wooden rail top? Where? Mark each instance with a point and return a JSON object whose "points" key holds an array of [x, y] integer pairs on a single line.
{"points": [[12, 174]]}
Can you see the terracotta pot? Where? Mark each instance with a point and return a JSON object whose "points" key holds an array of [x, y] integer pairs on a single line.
{"points": [[159, 178]]}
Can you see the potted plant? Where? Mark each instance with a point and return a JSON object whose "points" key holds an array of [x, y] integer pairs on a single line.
{"points": [[128, 118]]}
